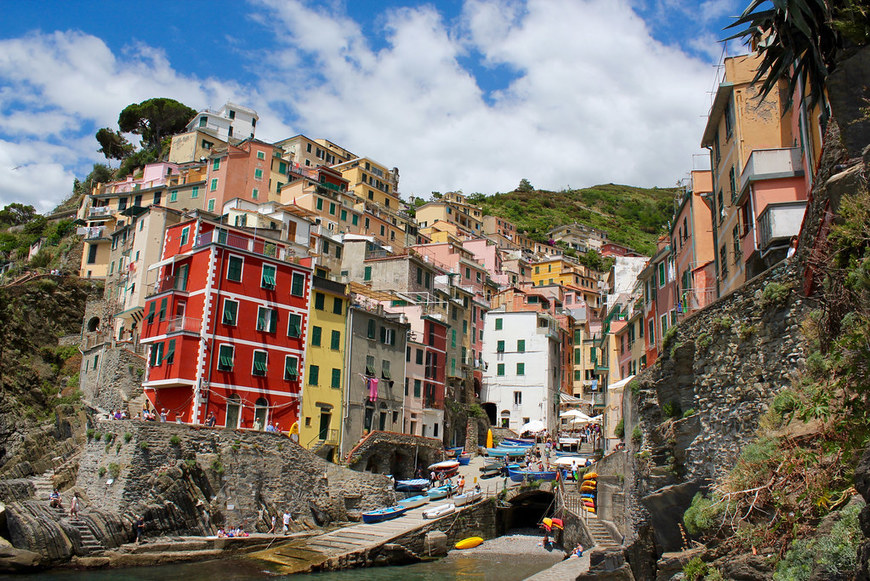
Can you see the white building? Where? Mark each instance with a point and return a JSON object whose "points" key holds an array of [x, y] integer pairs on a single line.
{"points": [[231, 120], [521, 377]]}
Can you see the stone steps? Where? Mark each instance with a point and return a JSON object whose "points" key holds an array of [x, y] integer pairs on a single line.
{"points": [[89, 542], [43, 484]]}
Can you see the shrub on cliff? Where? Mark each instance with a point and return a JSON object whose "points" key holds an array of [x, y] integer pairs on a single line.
{"points": [[832, 556], [774, 294], [702, 516], [619, 430]]}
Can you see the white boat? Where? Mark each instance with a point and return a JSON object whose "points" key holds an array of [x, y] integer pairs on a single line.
{"points": [[467, 497], [414, 501], [439, 511]]}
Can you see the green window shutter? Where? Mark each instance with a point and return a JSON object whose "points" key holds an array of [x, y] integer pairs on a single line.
{"points": [[319, 203], [151, 311], [367, 273], [332, 209], [194, 193], [170, 352], [337, 305], [500, 347], [294, 328], [354, 219], [181, 277], [336, 340], [268, 277], [259, 363], [521, 345], [344, 215], [282, 167], [578, 335], [159, 354], [262, 317], [500, 370], [225, 358], [234, 272], [417, 390], [258, 174], [297, 287], [336, 378], [273, 320], [313, 375], [230, 312], [319, 299], [521, 368], [162, 309], [453, 337], [185, 232], [577, 355], [315, 336], [291, 368], [578, 375], [216, 165], [371, 329]]}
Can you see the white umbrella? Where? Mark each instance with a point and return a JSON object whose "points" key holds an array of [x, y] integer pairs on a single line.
{"points": [[533, 427], [577, 414]]}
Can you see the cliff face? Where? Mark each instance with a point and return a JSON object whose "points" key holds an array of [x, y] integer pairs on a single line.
{"points": [[190, 480]]}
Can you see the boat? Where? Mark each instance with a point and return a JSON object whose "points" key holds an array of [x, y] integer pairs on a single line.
{"points": [[413, 485], [506, 452], [463, 459], [469, 543], [521, 441], [518, 475], [383, 514], [469, 497], [445, 468], [453, 452], [439, 511], [414, 501], [441, 492]]}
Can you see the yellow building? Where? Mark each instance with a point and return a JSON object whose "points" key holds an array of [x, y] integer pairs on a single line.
{"points": [[452, 209], [320, 421]]}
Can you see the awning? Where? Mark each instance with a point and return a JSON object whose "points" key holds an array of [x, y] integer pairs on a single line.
{"points": [[135, 313], [169, 260], [565, 398], [621, 383]]}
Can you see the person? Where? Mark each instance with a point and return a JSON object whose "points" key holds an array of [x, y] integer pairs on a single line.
{"points": [[74, 506], [211, 420], [274, 522], [792, 247], [163, 415], [257, 425], [271, 428], [432, 478], [286, 520], [578, 551], [460, 484], [54, 499], [139, 528]]}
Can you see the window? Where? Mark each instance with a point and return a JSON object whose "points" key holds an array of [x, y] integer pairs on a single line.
{"points": [[385, 369], [260, 358], [294, 326], [162, 309], [92, 254], [370, 365], [661, 274], [354, 219], [664, 321], [260, 154], [500, 347], [388, 336], [332, 208], [315, 336], [335, 342], [170, 352], [500, 369], [344, 215], [729, 120], [212, 187], [156, 355], [367, 273], [337, 305], [319, 203], [151, 307], [453, 337], [723, 261], [521, 345], [267, 280], [297, 286], [419, 357], [291, 368], [258, 174], [173, 196], [578, 375], [255, 193], [652, 330], [732, 178], [225, 358], [216, 165], [211, 205], [267, 319], [234, 268], [194, 193], [521, 368], [498, 324], [370, 333], [417, 387], [336, 378], [518, 397], [735, 234]]}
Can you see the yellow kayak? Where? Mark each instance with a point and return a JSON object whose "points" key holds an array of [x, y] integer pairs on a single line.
{"points": [[590, 476], [469, 543]]}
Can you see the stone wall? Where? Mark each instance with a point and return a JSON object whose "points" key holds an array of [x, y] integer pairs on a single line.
{"points": [[395, 454], [191, 480], [117, 379]]}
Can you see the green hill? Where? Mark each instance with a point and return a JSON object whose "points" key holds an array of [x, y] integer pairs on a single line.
{"points": [[630, 215]]}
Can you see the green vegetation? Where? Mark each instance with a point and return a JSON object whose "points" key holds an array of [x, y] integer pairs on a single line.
{"points": [[672, 409], [634, 387], [619, 430], [102, 471], [90, 433], [190, 463], [720, 324], [98, 436], [476, 411], [745, 330], [143, 446], [631, 216], [834, 554], [668, 338], [702, 516], [127, 437], [217, 466], [774, 294], [114, 470], [636, 435], [175, 440], [695, 569], [688, 413]]}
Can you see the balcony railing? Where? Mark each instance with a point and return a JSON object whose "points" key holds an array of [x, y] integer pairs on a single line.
{"points": [[779, 222], [598, 399], [100, 212], [92, 232], [167, 283], [255, 246], [184, 324], [771, 164]]}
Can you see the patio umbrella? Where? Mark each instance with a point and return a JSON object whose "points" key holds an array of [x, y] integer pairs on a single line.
{"points": [[577, 414], [534, 427]]}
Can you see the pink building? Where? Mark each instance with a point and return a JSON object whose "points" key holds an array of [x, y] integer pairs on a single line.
{"points": [[239, 171], [692, 244]]}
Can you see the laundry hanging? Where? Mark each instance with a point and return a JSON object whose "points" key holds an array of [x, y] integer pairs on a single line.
{"points": [[373, 388]]}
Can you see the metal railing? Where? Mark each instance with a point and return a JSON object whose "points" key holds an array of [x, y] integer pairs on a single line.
{"points": [[255, 246], [167, 283], [180, 324]]}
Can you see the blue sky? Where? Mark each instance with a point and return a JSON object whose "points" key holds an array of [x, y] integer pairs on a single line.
{"points": [[472, 95]]}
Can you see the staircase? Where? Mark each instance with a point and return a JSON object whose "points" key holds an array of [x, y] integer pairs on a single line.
{"points": [[44, 487], [599, 533]]}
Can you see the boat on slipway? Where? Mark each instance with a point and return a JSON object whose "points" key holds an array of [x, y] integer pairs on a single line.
{"points": [[414, 501], [412, 485], [518, 475], [383, 514], [439, 511]]}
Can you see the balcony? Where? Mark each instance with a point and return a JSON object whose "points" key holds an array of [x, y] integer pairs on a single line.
{"points": [[598, 399], [184, 325], [98, 212], [779, 222], [92, 232], [166, 284], [771, 164], [254, 246]]}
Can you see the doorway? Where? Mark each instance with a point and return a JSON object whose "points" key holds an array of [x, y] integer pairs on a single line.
{"points": [[261, 413], [234, 405]]}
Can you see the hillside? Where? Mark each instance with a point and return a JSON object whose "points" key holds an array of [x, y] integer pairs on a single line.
{"points": [[630, 215]]}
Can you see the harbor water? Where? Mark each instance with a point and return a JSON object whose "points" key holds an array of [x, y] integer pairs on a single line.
{"points": [[512, 557]]}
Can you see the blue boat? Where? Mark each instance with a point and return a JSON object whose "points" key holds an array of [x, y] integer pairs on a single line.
{"points": [[383, 514], [441, 492], [413, 485], [518, 475], [510, 444], [509, 452], [463, 459], [454, 452], [414, 501], [518, 442]]}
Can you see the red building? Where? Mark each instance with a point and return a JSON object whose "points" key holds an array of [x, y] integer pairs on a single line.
{"points": [[226, 323]]}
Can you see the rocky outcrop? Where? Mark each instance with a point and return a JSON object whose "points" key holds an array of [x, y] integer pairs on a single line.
{"points": [[396, 454], [862, 484]]}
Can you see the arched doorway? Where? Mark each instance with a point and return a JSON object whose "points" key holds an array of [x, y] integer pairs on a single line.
{"points": [[93, 324], [234, 408], [505, 419], [491, 409], [529, 508], [261, 413]]}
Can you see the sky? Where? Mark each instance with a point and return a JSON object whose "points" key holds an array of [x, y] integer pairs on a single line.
{"points": [[470, 95]]}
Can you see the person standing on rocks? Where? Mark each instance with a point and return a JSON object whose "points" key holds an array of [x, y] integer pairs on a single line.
{"points": [[274, 522], [74, 506], [139, 528], [286, 519]]}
